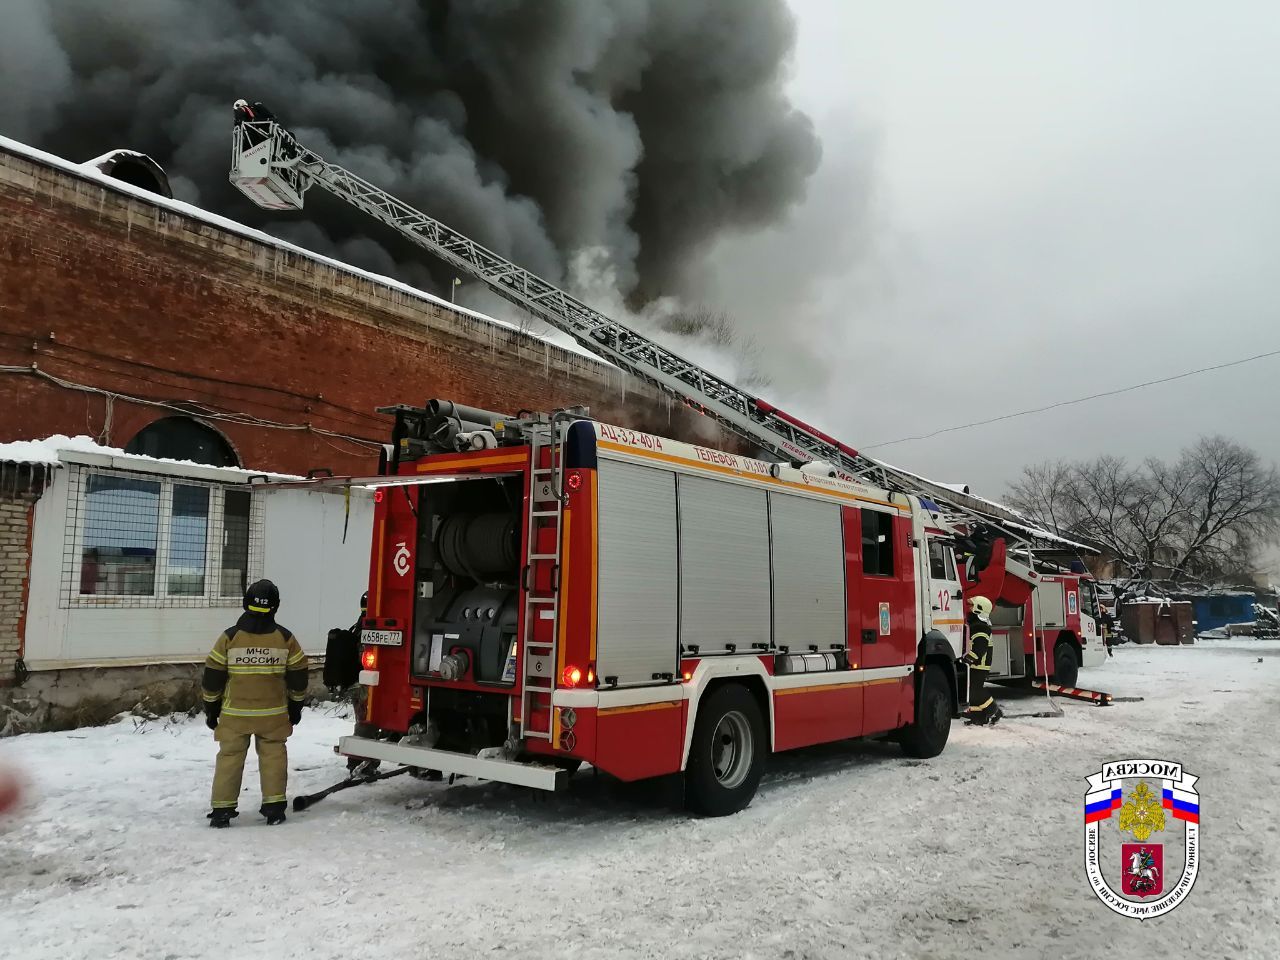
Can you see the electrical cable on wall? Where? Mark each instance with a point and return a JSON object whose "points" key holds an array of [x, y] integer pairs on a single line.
{"points": [[345, 413], [190, 409]]}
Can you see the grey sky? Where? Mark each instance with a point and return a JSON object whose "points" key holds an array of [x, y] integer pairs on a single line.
{"points": [[1022, 203]]}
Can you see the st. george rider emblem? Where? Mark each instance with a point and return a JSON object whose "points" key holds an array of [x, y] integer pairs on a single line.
{"points": [[1143, 866], [1135, 812]]}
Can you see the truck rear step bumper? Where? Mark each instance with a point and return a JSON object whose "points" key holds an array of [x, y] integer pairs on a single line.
{"points": [[536, 775]]}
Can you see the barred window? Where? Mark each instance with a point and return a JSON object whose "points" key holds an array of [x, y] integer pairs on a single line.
{"points": [[121, 536], [188, 540], [143, 540], [234, 561]]}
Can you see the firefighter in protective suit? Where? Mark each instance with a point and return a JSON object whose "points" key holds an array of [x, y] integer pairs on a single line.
{"points": [[255, 679], [982, 708]]}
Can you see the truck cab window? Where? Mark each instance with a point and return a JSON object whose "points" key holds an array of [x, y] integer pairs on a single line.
{"points": [[877, 543], [1088, 600], [942, 561], [937, 562]]}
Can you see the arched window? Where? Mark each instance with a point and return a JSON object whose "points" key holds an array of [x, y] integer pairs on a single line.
{"points": [[181, 438], [134, 168]]}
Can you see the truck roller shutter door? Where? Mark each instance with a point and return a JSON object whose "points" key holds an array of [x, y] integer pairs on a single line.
{"points": [[638, 582], [724, 566], [1050, 610], [808, 573]]}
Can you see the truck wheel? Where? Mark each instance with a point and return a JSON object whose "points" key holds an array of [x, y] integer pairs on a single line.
{"points": [[1066, 667], [726, 756], [928, 734]]}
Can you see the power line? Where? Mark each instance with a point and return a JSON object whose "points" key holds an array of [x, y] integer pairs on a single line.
{"points": [[1067, 403]]}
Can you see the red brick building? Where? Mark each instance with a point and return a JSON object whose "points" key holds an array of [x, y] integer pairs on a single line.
{"points": [[155, 327], [119, 309]]}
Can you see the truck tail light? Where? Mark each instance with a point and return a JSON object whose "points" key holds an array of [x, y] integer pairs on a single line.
{"points": [[571, 676], [369, 659]]}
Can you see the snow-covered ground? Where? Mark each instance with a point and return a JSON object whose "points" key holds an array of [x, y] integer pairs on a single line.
{"points": [[848, 851]]}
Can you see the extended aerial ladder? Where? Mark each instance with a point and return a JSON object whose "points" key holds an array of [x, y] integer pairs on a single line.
{"points": [[275, 171]]}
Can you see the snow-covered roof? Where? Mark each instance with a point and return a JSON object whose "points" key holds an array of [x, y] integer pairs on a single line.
{"points": [[1216, 592], [89, 171], [29, 451], [59, 449]]}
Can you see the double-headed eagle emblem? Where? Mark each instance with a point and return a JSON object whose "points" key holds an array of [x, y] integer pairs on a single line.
{"points": [[1142, 813]]}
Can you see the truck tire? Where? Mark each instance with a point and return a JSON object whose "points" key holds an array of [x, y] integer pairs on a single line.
{"points": [[726, 756], [1066, 665], [927, 736]]}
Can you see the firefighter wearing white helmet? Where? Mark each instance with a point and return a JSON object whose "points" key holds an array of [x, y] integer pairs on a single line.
{"points": [[982, 708]]}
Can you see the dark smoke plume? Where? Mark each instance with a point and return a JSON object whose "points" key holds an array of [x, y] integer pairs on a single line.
{"points": [[541, 127]]}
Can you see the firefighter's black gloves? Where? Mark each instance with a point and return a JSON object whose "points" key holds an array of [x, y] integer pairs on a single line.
{"points": [[295, 712], [211, 713], [968, 659]]}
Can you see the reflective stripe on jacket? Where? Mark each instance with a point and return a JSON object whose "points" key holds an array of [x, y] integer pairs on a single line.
{"points": [[255, 674], [979, 642]]}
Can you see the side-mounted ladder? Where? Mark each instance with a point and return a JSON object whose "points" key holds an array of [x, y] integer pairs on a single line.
{"points": [[543, 537]]}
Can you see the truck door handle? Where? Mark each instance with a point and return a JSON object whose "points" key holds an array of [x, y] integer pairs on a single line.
{"points": [[868, 636], [936, 607]]}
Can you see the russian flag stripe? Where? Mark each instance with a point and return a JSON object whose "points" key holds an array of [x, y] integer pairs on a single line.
{"points": [[1106, 803], [1101, 808], [1172, 801]]}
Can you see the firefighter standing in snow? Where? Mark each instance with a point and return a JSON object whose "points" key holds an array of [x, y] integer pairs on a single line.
{"points": [[982, 709], [255, 678]]}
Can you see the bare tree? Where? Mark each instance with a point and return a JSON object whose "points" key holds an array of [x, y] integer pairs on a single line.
{"points": [[715, 328], [1202, 517], [1041, 492], [1230, 507]]}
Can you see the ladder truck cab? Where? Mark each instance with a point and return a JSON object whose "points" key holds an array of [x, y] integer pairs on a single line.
{"points": [[1058, 623], [1045, 619], [547, 590]]}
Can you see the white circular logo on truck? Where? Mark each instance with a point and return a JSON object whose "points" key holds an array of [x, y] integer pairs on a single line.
{"points": [[400, 560]]}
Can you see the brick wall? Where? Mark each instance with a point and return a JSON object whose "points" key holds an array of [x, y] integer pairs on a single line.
{"points": [[101, 289], [15, 557]]}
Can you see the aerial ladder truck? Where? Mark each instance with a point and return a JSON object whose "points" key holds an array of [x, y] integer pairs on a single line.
{"points": [[275, 170]]}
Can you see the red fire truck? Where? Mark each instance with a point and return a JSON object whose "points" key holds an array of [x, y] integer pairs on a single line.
{"points": [[1058, 623], [570, 591], [547, 590]]}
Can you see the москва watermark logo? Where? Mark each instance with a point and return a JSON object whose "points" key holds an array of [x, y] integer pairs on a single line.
{"points": [[1142, 826]]}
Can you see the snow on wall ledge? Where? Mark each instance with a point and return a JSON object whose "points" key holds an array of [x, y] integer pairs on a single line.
{"points": [[59, 449]]}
